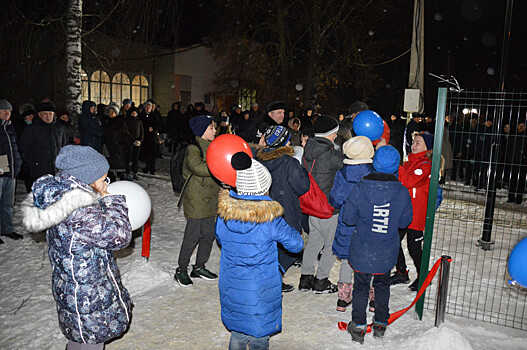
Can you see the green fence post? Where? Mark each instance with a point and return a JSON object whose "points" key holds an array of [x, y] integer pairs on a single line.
{"points": [[432, 195]]}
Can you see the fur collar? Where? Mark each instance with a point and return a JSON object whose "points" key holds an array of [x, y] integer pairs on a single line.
{"points": [[230, 208], [266, 154], [35, 219]]}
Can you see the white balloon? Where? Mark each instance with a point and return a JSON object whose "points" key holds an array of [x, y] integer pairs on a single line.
{"points": [[137, 200]]}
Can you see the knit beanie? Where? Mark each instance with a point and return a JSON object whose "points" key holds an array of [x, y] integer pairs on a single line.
{"points": [[325, 125], [358, 149], [358, 106], [429, 139], [252, 178], [276, 136], [386, 160], [274, 105], [199, 124], [113, 107], [4, 104], [46, 107], [127, 101], [82, 162]]}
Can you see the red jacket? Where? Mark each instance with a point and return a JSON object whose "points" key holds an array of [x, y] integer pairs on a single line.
{"points": [[415, 176]]}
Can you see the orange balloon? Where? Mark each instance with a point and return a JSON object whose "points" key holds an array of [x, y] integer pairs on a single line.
{"points": [[385, 135], [219, 156]]}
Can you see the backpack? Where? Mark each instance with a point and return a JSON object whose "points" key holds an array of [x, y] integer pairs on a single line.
{"points": [[176, 167], [314, 202]]}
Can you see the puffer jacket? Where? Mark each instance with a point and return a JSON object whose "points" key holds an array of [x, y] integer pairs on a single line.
{"points": [[415, 176], [378, 206], [345, 180], [290, 181], [200, 199], [82, 230], [327, 162], [250, 283]]}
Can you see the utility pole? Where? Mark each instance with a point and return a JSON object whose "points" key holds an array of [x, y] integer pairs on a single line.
{"points": [[416, 78]]}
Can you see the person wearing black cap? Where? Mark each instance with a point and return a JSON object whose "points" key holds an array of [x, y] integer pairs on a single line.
{"points": [[275, 114], [10, 163], [200, 203], [290, 181], [323, 161], [41, 142]]}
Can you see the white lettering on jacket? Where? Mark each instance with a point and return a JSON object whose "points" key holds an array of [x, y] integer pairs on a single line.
{"points": [[380, 218]]}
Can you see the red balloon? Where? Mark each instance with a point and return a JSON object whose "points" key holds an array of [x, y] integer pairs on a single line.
{"points": [[219, 156], [385, 135]]}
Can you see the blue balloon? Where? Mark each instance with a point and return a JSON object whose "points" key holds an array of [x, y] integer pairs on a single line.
{"points": [[518, 263], [368, 123]]}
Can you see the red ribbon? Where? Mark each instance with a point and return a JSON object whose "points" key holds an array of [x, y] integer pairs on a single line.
{"points": [[145, 250], [343, 325]]}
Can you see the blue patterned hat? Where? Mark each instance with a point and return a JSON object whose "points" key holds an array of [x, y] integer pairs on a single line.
{"points": [[82, 162]]}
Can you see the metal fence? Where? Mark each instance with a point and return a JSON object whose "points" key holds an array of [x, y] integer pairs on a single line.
{"points": [[485, 131]]}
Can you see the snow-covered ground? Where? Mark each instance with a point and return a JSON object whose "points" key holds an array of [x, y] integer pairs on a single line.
{"points": [[167, 316]]}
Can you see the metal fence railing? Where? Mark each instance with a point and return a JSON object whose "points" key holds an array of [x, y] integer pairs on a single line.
{"points": [[487, 135]]}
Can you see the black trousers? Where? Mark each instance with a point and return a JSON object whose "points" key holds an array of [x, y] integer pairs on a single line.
{"points": [[132, 159], [197, 231], [414, 240]]}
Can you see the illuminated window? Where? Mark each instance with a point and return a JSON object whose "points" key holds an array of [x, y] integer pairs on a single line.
{"points": [[120, 88], [100, 88], [246, 99], [85, 90], [139, 89]]}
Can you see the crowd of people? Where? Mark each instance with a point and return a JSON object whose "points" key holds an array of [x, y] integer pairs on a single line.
{"points": [[258, 223]]}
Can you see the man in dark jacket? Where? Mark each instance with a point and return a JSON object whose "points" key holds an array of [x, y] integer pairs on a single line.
{"points": [[41, 142], [323, 162], [90, 128], [275, 114], [10, 163], [137, 133], [378, 206], [290, 181]]}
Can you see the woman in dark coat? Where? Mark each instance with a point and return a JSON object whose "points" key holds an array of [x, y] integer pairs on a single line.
{"points": [[116, 139], [149, 145], [247, 128], [90, 128]]}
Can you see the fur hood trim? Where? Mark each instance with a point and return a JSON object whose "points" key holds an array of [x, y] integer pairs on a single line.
{"points": [[35, 219], [230, 208], [266, 154]]}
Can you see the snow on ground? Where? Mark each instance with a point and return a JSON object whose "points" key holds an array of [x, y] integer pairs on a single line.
{"points": [[167, 316]]}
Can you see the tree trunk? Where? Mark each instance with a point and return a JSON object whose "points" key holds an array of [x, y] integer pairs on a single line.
{"points": [[73, 58]]}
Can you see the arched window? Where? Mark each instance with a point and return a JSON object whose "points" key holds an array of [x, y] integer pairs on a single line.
{"points": [[139, 89], [100, 91], [121, 88], [85, 90]]}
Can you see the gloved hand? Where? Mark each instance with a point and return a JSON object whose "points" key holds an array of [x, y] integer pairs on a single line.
{"points": [[137, 143]]}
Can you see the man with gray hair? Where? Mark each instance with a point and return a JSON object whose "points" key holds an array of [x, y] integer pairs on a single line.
{"points": [[10, 163]]}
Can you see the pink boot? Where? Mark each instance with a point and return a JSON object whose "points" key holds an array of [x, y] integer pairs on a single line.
{"points": [[344, 301]]}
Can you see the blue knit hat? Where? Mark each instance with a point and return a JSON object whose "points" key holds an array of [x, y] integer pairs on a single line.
{"points": [[276, 136], [386, 160], [82, 162], [428, 138], [199, 124]]}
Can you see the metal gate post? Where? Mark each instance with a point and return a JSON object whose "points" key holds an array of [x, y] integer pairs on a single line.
{"points": [[442, 290]]}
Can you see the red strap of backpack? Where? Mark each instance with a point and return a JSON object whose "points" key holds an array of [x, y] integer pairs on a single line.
{"points": [[312, 165]]}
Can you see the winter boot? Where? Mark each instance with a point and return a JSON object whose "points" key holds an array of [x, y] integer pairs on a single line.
{"points": [[357, 332], [323, 286], [415, 284], [182, 277], [344, 300], [378, 329], [202, 272], [306, 283], [372, 299], [286, 288], [399, 278]]}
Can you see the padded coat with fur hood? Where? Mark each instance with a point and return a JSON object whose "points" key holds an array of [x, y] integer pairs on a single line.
{"points": [[82, 230], [250, 283]]}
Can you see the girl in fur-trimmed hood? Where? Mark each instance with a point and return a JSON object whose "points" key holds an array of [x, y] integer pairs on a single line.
{"points": [[248, 227], [84, 225]]}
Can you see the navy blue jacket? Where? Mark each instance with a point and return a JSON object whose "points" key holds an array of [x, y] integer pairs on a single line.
{"points": [[250, 283], [90, 128], [345, 180], [290, 181], [378, 205], [9, 147]]}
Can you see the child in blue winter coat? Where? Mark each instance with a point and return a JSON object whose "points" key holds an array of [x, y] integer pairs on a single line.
{"points": [[377, 206], [84, 225], [359, 152], [248, 228]]}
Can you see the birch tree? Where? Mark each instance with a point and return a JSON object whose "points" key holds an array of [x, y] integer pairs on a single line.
{"points": [[73, 57]]}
